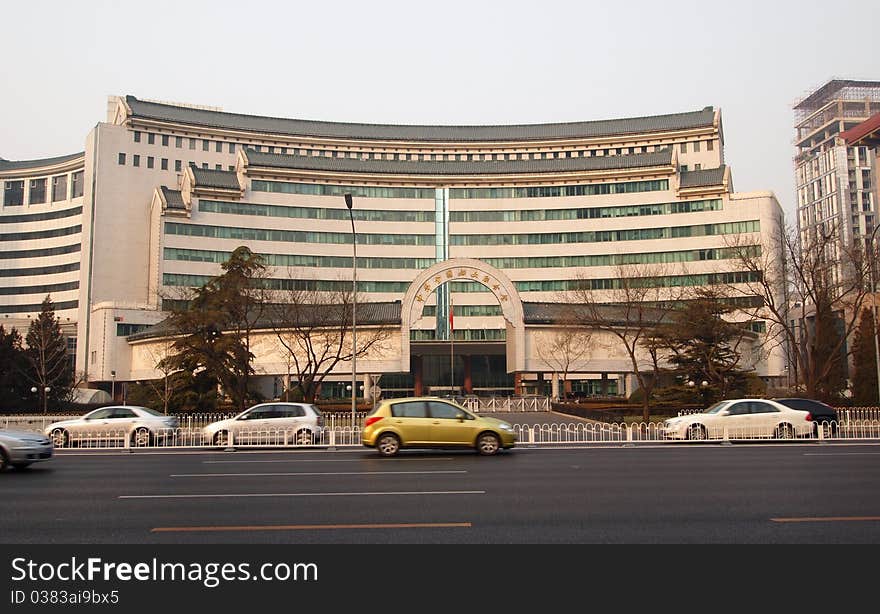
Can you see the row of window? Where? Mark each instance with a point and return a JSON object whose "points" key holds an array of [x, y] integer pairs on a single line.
{"points": [[42, 289], [527, 215], [39, 253], [13, 190], [230, 147], [40, 270], [40, 217], [595, 189], [163, 163], [554, 238], [552, 285], [37, 307], [124, 329], [525, 262], [41, 234]]}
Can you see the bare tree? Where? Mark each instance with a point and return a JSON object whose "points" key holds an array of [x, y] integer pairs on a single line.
{"points": [[563, 348], [314, 330], [811, 289], [163, 387], [630, 310]]}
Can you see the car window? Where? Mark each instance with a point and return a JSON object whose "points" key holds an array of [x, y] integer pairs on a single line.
{"points": [[290, 411], [314, 409], [151, 411], [717, 407], [738, 409], [438, 409], [410, 409], [100, 414], [123, 412], [759, 407]]}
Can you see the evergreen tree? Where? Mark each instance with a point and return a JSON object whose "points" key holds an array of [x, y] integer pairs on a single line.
{"points": [[13, 392], [864, 363], [47, 367]]}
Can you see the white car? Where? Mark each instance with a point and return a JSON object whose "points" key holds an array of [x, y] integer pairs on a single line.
{"points": [[22, 448], [275, 423], [141, 426], [741, 419]]}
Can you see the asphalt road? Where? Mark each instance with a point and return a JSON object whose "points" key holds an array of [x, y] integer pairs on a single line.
{"points": [[699, 494]]}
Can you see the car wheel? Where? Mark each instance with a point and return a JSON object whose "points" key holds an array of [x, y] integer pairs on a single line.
{"points": [[304, 438], [20, 466], [3, 460], [388, 444], [142, 437], [784, 431], [221, 438], [697, 432], [488, 444], [59, 438]]}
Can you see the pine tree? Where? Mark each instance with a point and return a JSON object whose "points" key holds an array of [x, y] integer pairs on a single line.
{"points": [[13, 393], [865, 363], [47, 367]]}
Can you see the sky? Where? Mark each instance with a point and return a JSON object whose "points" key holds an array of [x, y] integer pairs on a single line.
{"points": [[442, 63]]}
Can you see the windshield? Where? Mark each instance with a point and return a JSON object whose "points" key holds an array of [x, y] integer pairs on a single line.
{"points": [[717, 407], [152, 412]]}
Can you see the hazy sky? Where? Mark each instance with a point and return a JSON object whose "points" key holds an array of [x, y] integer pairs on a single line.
{"points": [[448, 62]]}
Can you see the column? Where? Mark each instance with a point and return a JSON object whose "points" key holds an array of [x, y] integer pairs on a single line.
{"points": [[416, 362], [468, 381]]}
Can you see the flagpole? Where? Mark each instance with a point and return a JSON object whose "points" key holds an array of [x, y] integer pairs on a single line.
{"points": [[451, 348]]}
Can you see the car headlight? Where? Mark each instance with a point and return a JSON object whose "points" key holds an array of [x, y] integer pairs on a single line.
{"points": [[505, 426]]}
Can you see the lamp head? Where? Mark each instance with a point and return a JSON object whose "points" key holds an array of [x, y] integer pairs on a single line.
{"points": [[348, 202]]}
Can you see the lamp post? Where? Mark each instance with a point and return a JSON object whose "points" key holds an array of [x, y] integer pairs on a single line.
{"points": [[45, 392], [348, 203], [113, 386], [870, 248]]}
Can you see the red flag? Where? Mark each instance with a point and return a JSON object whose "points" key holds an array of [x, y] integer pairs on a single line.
{"points": [[451, 327]]}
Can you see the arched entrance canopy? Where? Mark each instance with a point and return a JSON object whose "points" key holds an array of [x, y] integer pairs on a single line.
{"points": [[466, 269]]}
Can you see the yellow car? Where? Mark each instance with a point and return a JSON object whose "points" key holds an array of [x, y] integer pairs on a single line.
{"points": [[428, 422]]}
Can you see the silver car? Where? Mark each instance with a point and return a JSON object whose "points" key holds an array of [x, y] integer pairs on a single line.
{"points": [[22, 448], [141, 426], [276, 423]]}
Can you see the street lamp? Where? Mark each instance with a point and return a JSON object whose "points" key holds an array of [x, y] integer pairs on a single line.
{"points": [[45, 392], [113, 386], [870, 248], [348, 203]]}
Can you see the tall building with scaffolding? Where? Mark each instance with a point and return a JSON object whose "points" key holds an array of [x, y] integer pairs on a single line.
{"points": [[833, 180]]}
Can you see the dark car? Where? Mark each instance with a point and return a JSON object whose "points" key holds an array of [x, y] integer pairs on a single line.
{"points": [[821, 413]]}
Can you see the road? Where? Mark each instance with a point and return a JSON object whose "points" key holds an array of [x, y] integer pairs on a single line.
{"points": [[702, 494]]}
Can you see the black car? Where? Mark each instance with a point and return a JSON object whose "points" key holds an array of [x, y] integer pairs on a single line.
{"points": [[819, 411]]}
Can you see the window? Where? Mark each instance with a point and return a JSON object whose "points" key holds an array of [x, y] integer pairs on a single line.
{"points": [[710, 145], [150, 161], [206, 144], [205, 165], [683, 168], [151, 138], [413, 409], [135, 160], [137, 136], [178, 141], [178, 166], [232, 167], [698, 167], [443, 410], [192, 143], [78, 184], [165, 140], [232, 148], [218, 167], [697, 147], [219, 148], [13, 194], [121, 159], [164, 164], [684, 148], [59, 188], [37, 192]]}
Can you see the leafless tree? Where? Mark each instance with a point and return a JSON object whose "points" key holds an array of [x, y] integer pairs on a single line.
{"points": [[564, 347], [810, 288], [314, 330]]}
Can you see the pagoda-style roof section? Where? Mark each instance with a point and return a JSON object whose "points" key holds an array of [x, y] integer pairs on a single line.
{"points": [[211, 178], [14, 165], [173, 199], [703, 178], [865, 134], [210, 118], [457, 167]]}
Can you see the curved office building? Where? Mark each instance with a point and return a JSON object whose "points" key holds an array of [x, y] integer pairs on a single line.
{"points": [[496, 223]]}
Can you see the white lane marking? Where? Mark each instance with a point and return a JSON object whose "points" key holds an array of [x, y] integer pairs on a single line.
{"points": [[843, 454], [307, 473], [322, 460], [309, 494]]}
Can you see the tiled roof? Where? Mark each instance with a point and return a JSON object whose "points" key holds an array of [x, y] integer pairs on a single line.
{"points": [[10, 165], [470, 167], [866, 133], [174, 198], [208, 178], [703, 178], [522, 132]]}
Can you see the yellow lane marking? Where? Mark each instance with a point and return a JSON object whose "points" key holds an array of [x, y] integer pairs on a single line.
{"points": [[312, 527], [830, 519]]}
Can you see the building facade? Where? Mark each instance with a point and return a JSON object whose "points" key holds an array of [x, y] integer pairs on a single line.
{"points": [[482, 217]]}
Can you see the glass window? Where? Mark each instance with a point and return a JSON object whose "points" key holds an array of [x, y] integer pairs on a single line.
{"points": [[218, 167], [178, 141], [121, 159], [151, 138], [219, 146], [446, 411], [78, 183], [192, 143], [684, 148], [178, 165], [150, 161], [37, 192], [165, 140], [232, 148], [59, 188], [164, 164], [697, 147], [206, 144], [100, 414], [136, 160], [710, 145], [123, 412], [137, 136], [410, 409], [13, 193]]}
